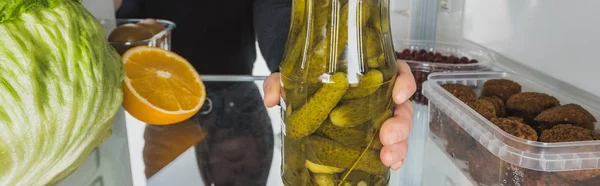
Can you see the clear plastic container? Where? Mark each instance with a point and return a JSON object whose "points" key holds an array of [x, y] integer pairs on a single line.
{"points": [[490, 156], [161, 39], [421, 68], [337, 76]]}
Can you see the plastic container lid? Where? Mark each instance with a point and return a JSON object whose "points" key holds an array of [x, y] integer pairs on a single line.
{"points": [[547, 157]]}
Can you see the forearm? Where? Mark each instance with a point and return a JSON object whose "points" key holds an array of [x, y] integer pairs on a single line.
{"points": [[272, 21], [117, 4]]}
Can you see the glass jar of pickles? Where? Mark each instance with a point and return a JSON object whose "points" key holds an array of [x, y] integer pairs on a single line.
{"points": [[337, 75]]}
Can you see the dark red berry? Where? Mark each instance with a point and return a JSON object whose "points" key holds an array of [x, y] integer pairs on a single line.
{"points": [[422, 51], [418, 58], [405, 54], [430, 58], [473, 61], [454, 60], [444, 59]]}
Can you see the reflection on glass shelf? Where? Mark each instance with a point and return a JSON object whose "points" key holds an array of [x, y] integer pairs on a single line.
{"points": [[231, 78], [230, 144]]}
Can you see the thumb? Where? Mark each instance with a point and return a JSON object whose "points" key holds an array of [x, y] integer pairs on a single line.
{"points": [[272, 89]]}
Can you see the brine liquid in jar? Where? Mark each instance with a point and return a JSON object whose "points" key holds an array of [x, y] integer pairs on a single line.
{"points": [[337, 74]]}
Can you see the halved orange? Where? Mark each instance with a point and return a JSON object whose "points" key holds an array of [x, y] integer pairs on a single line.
{"points": [[161, 87]]}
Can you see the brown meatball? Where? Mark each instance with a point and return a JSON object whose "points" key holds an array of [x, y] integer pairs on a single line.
{"points": [[516, 175], [516, 128], [566, 133], [579, 175], [483, 171], [459, 141], [501, 88], [592, 181], [483, 165], [484, 107], [549, 179], [516, 119], [570, 113], [528, 105], [498, 103], [462, 92]]}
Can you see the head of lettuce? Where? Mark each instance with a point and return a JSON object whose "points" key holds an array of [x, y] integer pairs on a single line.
{"points": [[60, 88]]}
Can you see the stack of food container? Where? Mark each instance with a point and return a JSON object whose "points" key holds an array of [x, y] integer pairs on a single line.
{"points": [[425, 57], [503, 129]]}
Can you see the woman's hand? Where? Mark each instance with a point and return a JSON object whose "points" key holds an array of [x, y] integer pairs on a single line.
{"points": [[394, 132], [117, 4]]}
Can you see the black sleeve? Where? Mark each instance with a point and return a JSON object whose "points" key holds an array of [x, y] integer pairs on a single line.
{"points": [[271, 24], [130, 9]]}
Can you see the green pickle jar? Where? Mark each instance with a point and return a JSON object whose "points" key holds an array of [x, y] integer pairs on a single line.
{"points": [[337, 74]]}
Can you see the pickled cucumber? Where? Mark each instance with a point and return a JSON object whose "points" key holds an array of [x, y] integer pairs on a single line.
{"points": [[342, 30], [309, 117], [368, 85], [299, 94], [381, 59], [376, 62], [316, 64], [296, 178], [357, 176], [355, 136], [331, 153], [362, 183], [320, 43], [351, 113], [316, 168], [342, 26], [375, 17], [379, 120], [388, 72], [292, 150], [298, 15], [372, 46], [377, 145], [380, 180], [293, 59], [294, 170], [324, 179], [311, 28], [357, 111], [322, 14]]}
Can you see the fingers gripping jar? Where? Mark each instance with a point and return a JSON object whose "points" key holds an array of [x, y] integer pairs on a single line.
{"points": [[337, 75]]}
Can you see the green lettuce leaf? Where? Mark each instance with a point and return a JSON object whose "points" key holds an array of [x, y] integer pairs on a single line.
{"points": [[60, 88], [12, 9]]}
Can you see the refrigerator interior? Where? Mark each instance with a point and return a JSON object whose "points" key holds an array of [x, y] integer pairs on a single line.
{"points": [[549, 41], [546, 40]]}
